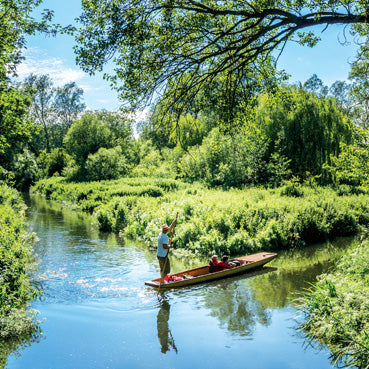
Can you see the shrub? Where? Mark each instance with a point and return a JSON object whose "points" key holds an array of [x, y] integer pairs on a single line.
{"points": [[106, 164], [336, 309], [236, 221], [221, 161], [52, 162], [16, 265], [25, 170], [121, 217], [292, 188], [105, 219]]}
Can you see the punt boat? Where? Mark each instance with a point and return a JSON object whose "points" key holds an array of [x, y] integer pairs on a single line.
{"points": [[202, 274]]}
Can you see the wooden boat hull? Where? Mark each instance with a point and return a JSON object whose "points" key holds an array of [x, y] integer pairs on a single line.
{"points": [[202, 274]]}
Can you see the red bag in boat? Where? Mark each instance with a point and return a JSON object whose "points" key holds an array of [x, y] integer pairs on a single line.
{"points": [[172, 278]]}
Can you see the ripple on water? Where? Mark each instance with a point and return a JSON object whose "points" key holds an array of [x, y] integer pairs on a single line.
{"points": [[119, 292]]}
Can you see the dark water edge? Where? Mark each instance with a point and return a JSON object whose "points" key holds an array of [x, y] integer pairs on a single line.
{"points": [[97, 313]]}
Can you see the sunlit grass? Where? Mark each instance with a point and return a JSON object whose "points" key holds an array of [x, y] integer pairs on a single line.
{"points": [[235, 221]]}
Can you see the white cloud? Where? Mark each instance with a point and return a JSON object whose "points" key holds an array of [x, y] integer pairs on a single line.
{"points": [[88, 87], [37, 62]]}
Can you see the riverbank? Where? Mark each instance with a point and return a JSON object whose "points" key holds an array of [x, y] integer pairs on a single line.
{"points": [[336, 310], [96, 304], [16, 267], [214, 220]]}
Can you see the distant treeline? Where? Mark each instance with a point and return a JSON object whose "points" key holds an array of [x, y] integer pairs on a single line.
{"points": [[291, 133]]}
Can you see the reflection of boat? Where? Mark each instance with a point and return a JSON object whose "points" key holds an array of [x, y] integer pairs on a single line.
{"points": [[202, 274]]}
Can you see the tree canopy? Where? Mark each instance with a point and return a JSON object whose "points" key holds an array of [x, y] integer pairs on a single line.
{"points": [[171, 47]]}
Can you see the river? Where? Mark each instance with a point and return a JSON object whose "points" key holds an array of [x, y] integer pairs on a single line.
{"points": [[96, 312]]}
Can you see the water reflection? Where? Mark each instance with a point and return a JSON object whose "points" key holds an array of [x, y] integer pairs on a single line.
{"points": [[94, 287], [233, 304], [15, 346], [166, 339]]}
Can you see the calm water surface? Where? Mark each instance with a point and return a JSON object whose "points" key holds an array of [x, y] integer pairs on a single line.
{"points": [[97, 313]]}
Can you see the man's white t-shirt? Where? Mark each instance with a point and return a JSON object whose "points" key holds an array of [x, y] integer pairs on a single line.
{"points": [[163, 239]]}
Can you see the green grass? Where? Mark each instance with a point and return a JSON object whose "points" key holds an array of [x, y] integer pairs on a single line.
{"points": [[213, 220], [336, 309]]}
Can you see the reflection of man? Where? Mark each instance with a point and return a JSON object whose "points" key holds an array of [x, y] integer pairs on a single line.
{"points": [[164, 333]]}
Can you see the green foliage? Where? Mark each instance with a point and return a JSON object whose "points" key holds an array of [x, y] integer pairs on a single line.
{"points": [[25, 170], [336, 309], [315, 85], [233, 221], [151, 162], [293, 188], [53, 162], [53, 110], [105, 219], [14, 127], [303, 128], [106, 164], [291, 132], [89, 196], [16, 263], [88, 136], [360, 86], [226, 161], [178, 48], [351, 166]]}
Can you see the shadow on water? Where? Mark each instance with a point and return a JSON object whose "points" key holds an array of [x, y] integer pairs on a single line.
{"points": [[166, 339]]}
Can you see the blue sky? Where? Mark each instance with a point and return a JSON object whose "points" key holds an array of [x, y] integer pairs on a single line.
{"points": [[54, 56]]}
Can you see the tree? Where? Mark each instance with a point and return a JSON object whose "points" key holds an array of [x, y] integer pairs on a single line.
{"points": [[68, 105], [94, 131], [14, 126], [351, 166], [173, 47], [360, 86], [53, 109], [303, 128], [315, 85], [16, 21], [340, 90], [41, 110], [86, 136]]}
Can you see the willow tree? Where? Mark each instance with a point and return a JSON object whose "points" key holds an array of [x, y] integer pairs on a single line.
{"points": [[172, 48], [304, 128]]}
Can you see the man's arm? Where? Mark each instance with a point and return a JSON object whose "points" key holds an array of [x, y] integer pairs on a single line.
{"points": [[172, 225]]}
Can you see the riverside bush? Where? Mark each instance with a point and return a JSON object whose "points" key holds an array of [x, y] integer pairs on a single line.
{"points": [[336, 309], [106, 164], [214, 220], [16, 264]]}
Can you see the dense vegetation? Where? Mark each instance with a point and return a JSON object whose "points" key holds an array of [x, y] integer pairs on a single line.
{"points": [[249, 161], [16, 265], [336, 310], [214, 220]]}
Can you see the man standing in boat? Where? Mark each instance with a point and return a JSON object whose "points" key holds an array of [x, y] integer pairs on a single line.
{"points": [[163, 249]]}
